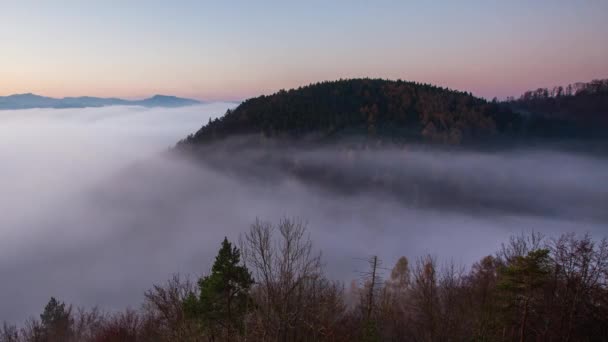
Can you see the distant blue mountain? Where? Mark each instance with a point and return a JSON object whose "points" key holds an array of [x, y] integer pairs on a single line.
{"points": [[25, 101], [165, 101]]}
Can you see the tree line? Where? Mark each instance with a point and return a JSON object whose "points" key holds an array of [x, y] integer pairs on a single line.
{"points": [[271, 286], [400, 111], [578, 110], [595, 87]]}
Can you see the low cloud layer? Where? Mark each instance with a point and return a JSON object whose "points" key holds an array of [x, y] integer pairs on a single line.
{"points": [[94, 213]]}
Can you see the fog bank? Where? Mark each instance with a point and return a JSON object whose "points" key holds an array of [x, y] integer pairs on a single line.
{"points": [[94, 213]]}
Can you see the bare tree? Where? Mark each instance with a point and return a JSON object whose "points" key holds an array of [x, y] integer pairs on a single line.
{"points": [[581, 273], [395, 320], [425, 303], [9, 333], [452, 313], [164, 305], [123, 326], [88, 323], [519, 246], [287, 271], [372, 281], [481, 298]]}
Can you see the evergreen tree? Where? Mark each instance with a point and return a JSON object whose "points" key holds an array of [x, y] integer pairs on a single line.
{"points": [[522, 282], [223, 295], [56, 322]]}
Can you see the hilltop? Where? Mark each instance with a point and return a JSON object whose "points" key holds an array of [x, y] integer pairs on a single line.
{"points": [[388, 111], [375, 108]]}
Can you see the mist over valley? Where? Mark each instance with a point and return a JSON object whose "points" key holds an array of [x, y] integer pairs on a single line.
{"points": [[98, 205]]}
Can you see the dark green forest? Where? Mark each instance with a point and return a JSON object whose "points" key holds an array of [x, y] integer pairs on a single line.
{"points": [[381, 109], [578, 110], [271, 286], [574, 101], [400, 111]]}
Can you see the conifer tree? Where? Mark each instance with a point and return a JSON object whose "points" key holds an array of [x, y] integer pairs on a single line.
{"points": [[223, 295], [56, 321], [521, 283]]}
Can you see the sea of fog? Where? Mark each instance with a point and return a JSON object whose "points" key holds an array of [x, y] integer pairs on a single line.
{"points": [[93, 211]]}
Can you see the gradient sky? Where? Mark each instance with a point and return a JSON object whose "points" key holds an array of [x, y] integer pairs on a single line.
{"points": [[237, 49]]}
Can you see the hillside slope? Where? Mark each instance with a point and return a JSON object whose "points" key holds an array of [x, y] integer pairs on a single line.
{"points": [[578, 110], [381, 109]]}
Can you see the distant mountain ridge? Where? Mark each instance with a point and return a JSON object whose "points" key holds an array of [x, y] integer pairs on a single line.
{"points": [[29, 100]]}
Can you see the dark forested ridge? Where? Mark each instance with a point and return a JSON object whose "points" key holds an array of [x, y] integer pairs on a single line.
{"points": [[382, 109], [399, 111], [578, 110], [573, 101]]}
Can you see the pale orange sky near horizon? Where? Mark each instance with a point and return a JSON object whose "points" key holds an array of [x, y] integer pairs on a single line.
{"points": [[231, 52]]}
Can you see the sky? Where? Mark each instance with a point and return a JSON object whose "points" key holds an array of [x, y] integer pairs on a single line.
{"points": [[231, 50]]}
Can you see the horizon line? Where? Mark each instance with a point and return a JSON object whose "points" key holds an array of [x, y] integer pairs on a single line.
{"points": [[264, 93]]}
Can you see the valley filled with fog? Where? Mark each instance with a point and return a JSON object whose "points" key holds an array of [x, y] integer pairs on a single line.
{"points": [[94, 210]]}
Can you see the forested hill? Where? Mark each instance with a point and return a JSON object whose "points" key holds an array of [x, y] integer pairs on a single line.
{"points": [[575, 101], [376, 108], [578, 110]]}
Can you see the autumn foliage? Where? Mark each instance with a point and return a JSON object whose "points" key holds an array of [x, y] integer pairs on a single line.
{"points": [[273, 287]]}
